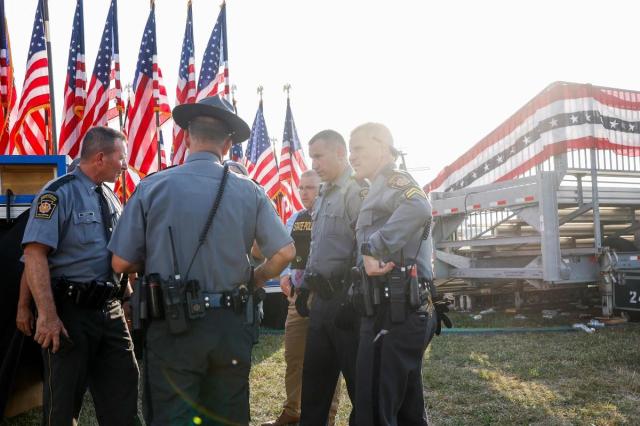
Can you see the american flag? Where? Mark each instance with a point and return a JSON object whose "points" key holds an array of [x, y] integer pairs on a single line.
{"points": [[132, 179], [186, 88], [149, 96], [8, 93], [115, 93], [31, 129], [563, 117], [98, 97], [75, 95], [163, 154], [236, 153], [292, 163], [261, 161], [214, 71]]}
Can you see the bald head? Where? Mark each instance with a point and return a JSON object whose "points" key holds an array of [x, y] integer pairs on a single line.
{"points": [[371, 149], [376, 132]]}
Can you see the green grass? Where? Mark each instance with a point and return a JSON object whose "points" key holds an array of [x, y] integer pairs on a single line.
{"points": [[530, 378]]}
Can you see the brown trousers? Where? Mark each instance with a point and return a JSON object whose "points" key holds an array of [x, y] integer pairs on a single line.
{"points": [[295, 337]]}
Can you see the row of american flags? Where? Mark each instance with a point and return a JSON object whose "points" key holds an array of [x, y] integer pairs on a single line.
{"points": [[98, 99]]}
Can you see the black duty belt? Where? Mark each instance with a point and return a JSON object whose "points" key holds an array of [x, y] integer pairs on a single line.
{"points": [[326, 288], [92, 295]]}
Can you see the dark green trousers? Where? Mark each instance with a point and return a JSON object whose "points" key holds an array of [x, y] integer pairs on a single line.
{"points": [[100, 357], [203, 373]]}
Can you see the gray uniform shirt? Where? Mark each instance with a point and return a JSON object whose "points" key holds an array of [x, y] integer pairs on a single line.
{"points": [[181, 198], [334, 216], [68, 220], [392, 220]]}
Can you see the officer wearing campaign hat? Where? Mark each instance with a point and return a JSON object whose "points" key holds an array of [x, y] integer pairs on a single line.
{"points": [[200, 373]]}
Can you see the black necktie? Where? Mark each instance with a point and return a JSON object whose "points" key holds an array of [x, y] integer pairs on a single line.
{"points": [[105, 212]]}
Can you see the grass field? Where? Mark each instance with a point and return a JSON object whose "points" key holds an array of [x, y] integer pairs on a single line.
{"points": [[520, 378]]}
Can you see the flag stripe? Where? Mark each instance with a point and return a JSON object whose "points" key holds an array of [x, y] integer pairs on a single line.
{"points": [[557, 112]]}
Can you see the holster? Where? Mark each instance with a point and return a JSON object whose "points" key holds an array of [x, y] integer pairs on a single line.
{"points": [[252, 306], [401, 289], [362, 294]]}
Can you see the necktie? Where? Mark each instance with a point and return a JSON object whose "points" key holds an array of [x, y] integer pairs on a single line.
{"points": [[105, 212]]}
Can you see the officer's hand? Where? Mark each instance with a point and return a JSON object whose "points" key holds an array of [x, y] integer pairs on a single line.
{"points": [[286, 287], [48, 331], [259, 279], [375, 267], [24, 319], [302, 299]]}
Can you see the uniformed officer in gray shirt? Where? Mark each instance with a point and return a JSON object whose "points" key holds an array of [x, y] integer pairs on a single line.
{"points": [[80, 325], [202, 374], [329, 349], [391, 235]]}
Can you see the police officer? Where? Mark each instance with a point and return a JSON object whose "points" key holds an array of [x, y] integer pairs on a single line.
{"points": [[24, 316], [80, 324], [296, 326], [330, 350], [199, 373], [390, 232]]}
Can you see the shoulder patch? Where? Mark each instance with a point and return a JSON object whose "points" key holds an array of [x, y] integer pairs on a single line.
{"points": [[47, 204], [400, 181], [58, 183], [363, 193], [404, 182]]}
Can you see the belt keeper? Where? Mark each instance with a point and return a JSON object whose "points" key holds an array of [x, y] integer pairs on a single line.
{"points": [[228, 300]]}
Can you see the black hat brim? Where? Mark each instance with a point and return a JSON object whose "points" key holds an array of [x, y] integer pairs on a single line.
{"points": [[239, 129]]}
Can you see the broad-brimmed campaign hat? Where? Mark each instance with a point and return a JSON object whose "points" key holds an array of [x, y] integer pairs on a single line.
{"points": [[215, 107]]}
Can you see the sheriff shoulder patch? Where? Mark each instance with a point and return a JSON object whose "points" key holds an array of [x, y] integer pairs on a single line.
{"points": [[47, 204]]}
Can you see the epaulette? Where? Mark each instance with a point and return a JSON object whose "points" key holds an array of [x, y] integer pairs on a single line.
{"points": [[403, 181], [160, 171], [57, 184]]}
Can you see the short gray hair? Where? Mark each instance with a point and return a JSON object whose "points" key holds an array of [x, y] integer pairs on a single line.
{"points": [[100, 139]]}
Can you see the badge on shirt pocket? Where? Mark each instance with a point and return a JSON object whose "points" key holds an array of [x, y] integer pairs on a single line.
{"points": [[47, 204]]}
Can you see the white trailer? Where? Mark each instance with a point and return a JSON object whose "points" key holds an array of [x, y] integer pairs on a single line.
{"points": [[557, 206]]}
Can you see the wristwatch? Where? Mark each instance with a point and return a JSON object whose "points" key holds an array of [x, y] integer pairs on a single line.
{"points": [[365, 249]]}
